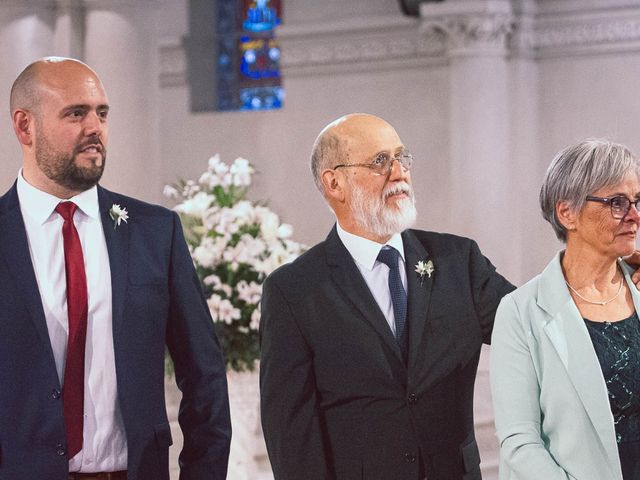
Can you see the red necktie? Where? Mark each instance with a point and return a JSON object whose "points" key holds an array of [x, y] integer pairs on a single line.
{"points": [[73, 388]]}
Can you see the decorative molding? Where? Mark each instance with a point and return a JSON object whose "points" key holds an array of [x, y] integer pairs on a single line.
{"points": [[359, 50], [120, 4], [27, 6], [470, 27], [374, 42], [553, 8], [468, 35], [392, 42], [588, 36], [522, 40], [69, 4]]}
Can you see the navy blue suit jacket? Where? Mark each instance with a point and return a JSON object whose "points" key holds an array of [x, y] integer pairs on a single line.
{"points": [[157, 301]]}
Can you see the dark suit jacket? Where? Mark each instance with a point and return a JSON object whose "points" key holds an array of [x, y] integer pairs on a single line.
{"points": [[338, 402], [156, 300]]}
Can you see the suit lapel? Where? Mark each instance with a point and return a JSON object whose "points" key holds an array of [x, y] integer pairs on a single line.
{"points": [[569, 336], [14, 246], [354, 289], [419, 294], [117, 240]]}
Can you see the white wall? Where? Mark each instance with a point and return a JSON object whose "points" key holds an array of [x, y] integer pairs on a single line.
{"points": [[279, 142], [562, 69], [572, 74]]}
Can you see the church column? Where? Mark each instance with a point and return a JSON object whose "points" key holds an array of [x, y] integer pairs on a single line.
{"points": [[476, 33], [480, 169], [121, 45], [69, 30], [26, 33]]}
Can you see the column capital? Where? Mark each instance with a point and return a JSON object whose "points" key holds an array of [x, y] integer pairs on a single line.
{"points": [[471, 27]]}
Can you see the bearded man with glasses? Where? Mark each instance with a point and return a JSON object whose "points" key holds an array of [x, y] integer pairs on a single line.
{"points": [[370, 341]]}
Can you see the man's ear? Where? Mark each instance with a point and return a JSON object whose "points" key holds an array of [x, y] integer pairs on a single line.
{"points": [[333, 185], [23, 126], [566, 215]]}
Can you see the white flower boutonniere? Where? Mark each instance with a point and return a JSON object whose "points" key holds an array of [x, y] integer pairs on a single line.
{"points": [[118, 214], [424, 268]]}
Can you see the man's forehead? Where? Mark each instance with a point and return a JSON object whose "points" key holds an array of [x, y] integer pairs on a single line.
{"points": [[65, 74], [81, 89], [372, 135]]}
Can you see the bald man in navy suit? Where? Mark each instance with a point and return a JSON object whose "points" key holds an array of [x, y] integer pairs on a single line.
{"points": [[94, 286]]}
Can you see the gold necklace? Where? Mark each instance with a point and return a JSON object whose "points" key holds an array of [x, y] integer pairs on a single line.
{"points": [[598, 303]]}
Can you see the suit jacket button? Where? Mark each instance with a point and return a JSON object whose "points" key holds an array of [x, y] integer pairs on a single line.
{"points": [[412, 399], [55, 394], [60, 450], [409, 457]]}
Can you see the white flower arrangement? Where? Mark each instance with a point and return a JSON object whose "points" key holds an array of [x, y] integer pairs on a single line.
{"points": [[235, 244]]}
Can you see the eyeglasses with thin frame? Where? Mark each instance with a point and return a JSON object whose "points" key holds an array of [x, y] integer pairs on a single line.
{"points": [[620, 205], [383, 163]]}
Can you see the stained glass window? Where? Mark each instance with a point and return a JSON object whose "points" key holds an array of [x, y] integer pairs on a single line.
{"points": [[248, 66]]}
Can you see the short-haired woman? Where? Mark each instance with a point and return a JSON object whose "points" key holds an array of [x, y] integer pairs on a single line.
{"points": [[565, 355]]}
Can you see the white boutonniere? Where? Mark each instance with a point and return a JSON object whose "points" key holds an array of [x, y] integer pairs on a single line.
{"points": [[424, 268], [118, 214]]}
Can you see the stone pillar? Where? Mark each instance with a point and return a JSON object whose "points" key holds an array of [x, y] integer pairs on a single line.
{"points": [[121, 45], [480, 167], [476, 33], [69, 30], [26, 34], [526, 164]]}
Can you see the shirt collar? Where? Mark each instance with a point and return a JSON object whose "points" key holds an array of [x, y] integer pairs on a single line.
{"points": [[40, 205], [365, 251]]}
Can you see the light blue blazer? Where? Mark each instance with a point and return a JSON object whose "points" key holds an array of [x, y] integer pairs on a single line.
{"points": [[552, 412]]}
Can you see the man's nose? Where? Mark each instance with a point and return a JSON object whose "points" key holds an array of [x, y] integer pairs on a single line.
{"points": [[398, 172], [93, 124]]}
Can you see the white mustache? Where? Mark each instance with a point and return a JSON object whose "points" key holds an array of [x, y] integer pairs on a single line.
{"points": [[397, 189]]}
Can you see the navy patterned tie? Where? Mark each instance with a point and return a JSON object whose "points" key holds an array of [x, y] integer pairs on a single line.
{"points": [[389, 256]]}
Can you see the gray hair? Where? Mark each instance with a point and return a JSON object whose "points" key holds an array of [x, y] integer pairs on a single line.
{"points": [[579, 170], [327, 151], [24, 91]]}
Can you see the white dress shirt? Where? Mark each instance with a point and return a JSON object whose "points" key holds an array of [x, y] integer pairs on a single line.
{"points": [[104, 446], [376, 274]]}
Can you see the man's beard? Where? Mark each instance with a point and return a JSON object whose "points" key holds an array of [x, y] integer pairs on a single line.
{"points": [[62, 167], [375, 216]]}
